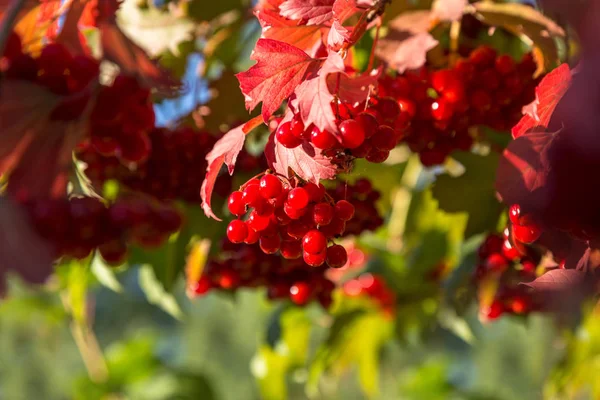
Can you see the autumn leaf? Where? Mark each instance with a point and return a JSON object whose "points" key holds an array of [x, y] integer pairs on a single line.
{"points": [[280, 68], [305, 161], [547, 95], [225, 151], [314, 98], [448, 10], [338, 34], [352, 88], [523, 169], [407, 42], [314, 12], [307, 38]]}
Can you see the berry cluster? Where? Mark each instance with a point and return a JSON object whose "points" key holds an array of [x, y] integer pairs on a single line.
{"points": [[76, 226], [56, 70], [485, 89], [508, 262], [374, 287], [175, 170], [241, 265], [297, 220], [363, 197]]}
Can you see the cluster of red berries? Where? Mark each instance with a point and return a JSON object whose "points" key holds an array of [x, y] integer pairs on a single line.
{"points": [[74, 227], [56, 70], [121, 119], [363, 197], [293, 218], [173, 170], [485, 89], [241, 265], [509, 262], [374, 287], [360, 134]]}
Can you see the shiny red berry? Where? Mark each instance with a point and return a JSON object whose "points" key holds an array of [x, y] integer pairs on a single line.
{"points": [[270, 186], [314, 242], [236, 204], [298, 198], [352, 133], [323, 140], [336, 256], [285, 136], [344, 210], [300, 293], [322, 213], [315, 260], [237, 231]]}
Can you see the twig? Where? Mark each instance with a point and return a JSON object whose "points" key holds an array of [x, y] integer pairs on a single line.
{"points": [[378, 9], [9, 21]]}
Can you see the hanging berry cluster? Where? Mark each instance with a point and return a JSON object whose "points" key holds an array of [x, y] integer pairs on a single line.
{"points": [[508, 262], [174, 168], [76, 226], [373, 287], [241, 265]]}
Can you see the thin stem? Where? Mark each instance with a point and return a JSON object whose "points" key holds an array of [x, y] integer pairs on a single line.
{"points": [[9, 21], [454, 41], [372, 55]]}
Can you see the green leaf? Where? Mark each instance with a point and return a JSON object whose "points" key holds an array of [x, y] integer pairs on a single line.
{"points": [[156, 292], [75, 278], [473, 192], [202, 10], [105, 274]]}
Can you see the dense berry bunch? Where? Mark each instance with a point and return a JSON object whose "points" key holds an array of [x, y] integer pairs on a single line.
{"points": [[484, 89], [241, 265], [74, 227], [173, 170], [295, 219], [363, 197], [508, 262], [55, 69], [374, 287]]}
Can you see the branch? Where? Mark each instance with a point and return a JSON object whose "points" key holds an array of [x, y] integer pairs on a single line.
{"points": [[378, 9]]}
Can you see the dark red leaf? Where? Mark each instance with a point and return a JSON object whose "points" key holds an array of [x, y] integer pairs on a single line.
{"points": [[344, 9], [305, 161], [523, 169], [558, 280], [280, 68], [314, 12], [225, 152], [548, 94]]}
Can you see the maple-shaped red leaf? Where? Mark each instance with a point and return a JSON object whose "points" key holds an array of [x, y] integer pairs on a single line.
{"points": [[448, 10], [547, 95], [35, 150], [352, 88], [344, 9], [225, 151], [279, 69], [22, 251], [314, 12], [305, 37], [523, 170], [314, 98], [305, 161], [406, 45]]}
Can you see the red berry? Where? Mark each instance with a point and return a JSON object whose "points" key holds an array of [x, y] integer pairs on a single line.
{"points": [[344, 210], [202, 286], [514, 214], [315, 192], [251, 195], [258, 222], [270, 186], [314, 242], [252, 237], [291, 249], [369, 123], [388, 108], [297, 229], [496, 262], [483, 56], [520, 304], [336, 256], [113, 252], [270, 244], [292, 212], [300, 293], [285, 136], [444, 79], [352, 133], [505, 64], [335, 228], [236, 204], [315, 260], [408, 106], [298, 198], [377, 156], [384, 139], [134, 148], [237, 231], [509, 251], [495, 310], [441, 110], [228, 278], [323, 140], [481, 100], [527, 233], [465, 68], [322, 213], [297, 127]]}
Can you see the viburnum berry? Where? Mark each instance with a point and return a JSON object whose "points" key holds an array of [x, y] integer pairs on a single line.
{"points": [[270, 244], [291, 249], [113, 252], [285, 136], [369, 123], [496, 262], [314, 242], [252, 237], [258, 222], [237, 231], [270, 186], [322, 213], [527, 233], [236, 204], [384, 138], [202, 286], [344, 210], [495, 310], [297, 198], [337, 256], [514, 214], [441, 110], [352, 133], [251, 195], [300, 293], [505, 64], [315, 192], [316, 259], [323, 140]]}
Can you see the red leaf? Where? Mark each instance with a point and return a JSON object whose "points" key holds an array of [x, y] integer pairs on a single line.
{"points": [[548, 94], [308, 38], [337, 36], [35, 151], [314, 98], [314, 12], [558, 280], [132, 59], [306, 161], [279, 70], [448, 10], [523, 169], [344, 9], [407, 42], [225, 152], [352, 89]]}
